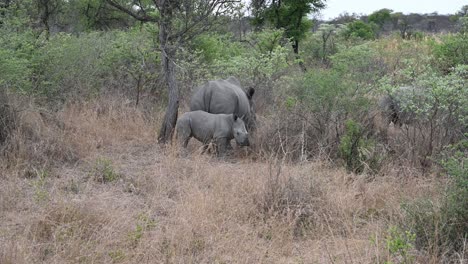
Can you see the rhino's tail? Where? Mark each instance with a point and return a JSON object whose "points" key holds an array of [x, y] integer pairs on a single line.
{"points": [[174, 134]]}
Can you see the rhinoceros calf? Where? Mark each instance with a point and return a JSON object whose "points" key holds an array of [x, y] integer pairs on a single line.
{"points": [[207, 127], [225, 97]]}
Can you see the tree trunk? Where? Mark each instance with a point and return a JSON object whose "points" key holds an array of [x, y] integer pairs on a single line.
{"points": [[168, 51], [45, 18], [170, 118], [295, 46]]}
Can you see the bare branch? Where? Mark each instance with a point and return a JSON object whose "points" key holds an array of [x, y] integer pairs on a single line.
{"points": [[142, 18]]}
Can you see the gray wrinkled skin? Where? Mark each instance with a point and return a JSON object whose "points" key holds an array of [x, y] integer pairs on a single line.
{"points": [[225, 97], [206, 127]]}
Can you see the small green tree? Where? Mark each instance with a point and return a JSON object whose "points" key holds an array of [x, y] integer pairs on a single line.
{"points": [[453, 49], [381, 17], [327, 33], [355, 148], [178, 22], [360, 29], [132, 54], [291, 15]]}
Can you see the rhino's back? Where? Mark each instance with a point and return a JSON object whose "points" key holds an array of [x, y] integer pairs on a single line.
{"points": [[221, 97], [205, 126]]}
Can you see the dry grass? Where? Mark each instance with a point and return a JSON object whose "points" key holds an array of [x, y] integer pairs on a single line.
{"points": [[199, 209]]}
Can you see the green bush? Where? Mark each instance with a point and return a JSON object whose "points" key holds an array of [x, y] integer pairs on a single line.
{"points": [[69, 66], [104, 172], [319, 46], [423, 217], [343, 88], [455, 207], [381, 17], [216, 47], [17, 47], [360, 65], [340, 92], [440, 99], [356, 149], [399, 244], [443, 226], [361, 30], [451, 51], [131, 61], [254, 67]]}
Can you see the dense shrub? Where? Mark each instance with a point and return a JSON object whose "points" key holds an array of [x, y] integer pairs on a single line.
{"points": [[64, 68], [455, 207], [17, 47], [69, 66], [131, 63], [441, 227], [217, 47], [433, 108], [360, 29], [358, 151], [451, 51], [319, 46]]}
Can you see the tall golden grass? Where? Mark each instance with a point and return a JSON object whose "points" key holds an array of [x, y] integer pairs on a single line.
{"points": [[163, 208]]}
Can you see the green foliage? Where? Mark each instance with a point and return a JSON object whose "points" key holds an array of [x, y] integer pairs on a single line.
{"points": [[117, 256], [70, 66], [323, 43], [103, 171], [451, 51], [131, 59], [432, 97], [144, 223], [267, 40], [85, 15], [380, 17], [290, 102], [216, 47], [359, 64], [361, 30], [355, 149], [444, 226], [254, 66], [424, 218], [290, 15], [455, 209], [341, 93], [322, 89], [40, 186], [17, 47], [65, 68], [399, 243], [15, 71]]}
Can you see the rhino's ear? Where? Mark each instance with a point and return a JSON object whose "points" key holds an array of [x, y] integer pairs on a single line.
{"points": [[250, 92], [235, 117]]}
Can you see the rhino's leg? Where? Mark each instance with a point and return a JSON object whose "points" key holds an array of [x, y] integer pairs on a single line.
{"points": [[183, 134], [222, 144]]}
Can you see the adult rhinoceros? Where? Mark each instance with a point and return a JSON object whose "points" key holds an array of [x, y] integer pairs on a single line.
{"points": [[225, 97], [394, 106]]}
